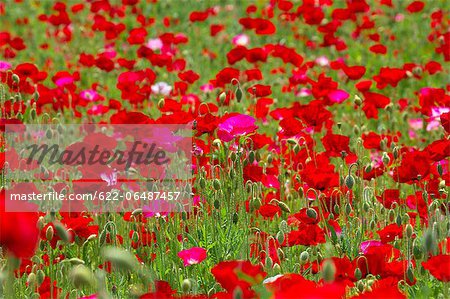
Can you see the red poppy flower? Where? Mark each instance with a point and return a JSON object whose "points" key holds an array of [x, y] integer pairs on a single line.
{"points": [[389, 197], [415, 6], [445, 121], [378, 49], [389, 76], [259, 90], [261, 26], [336, 144], [354, 72], [390, 232], [439, 267], [372, 102], [18, 230], [238, 274], [414, 165]]}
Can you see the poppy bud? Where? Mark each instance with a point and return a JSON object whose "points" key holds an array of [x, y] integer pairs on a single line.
{"points": [[385, 159], [233, 156], [76, 261], [410, 274], [337, 209], [135, 237], [217, 143], [417, 250], [269, 159], [284, 207], [280, 237], [398, 220], [235, 218], [237, 293], [216, 204], [439, 169], [31, 280], [360, 285], [49, 134], [40, 276], [36, 95], [357, 100], [304, 257], [283, 226], [81, 276], [222, 97], [216, 184], [356, 130], [366, 207], [328, 271], [202, 183], [408, 230], [136, 212], [276, 268], [62, 232], [395, 152], [238, 93], [251, 157], [41, 222], [15, 78], [368, 168], [391, 215], [358, 274], [121, 259], [348, 209], [349, 181], [49, 233], [311, 213], [429, 241], [161, 103], [186, 285], [269, 262]]}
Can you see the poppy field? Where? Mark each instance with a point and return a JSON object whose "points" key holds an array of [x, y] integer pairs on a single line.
{"points": [[317, 154]]}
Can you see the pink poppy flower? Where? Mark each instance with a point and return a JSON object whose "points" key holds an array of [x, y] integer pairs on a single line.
{"points": [[4, 66], [235, 126], [192, 256]]}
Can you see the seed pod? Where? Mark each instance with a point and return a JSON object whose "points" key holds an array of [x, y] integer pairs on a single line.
{"points": [[328, 270]]}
